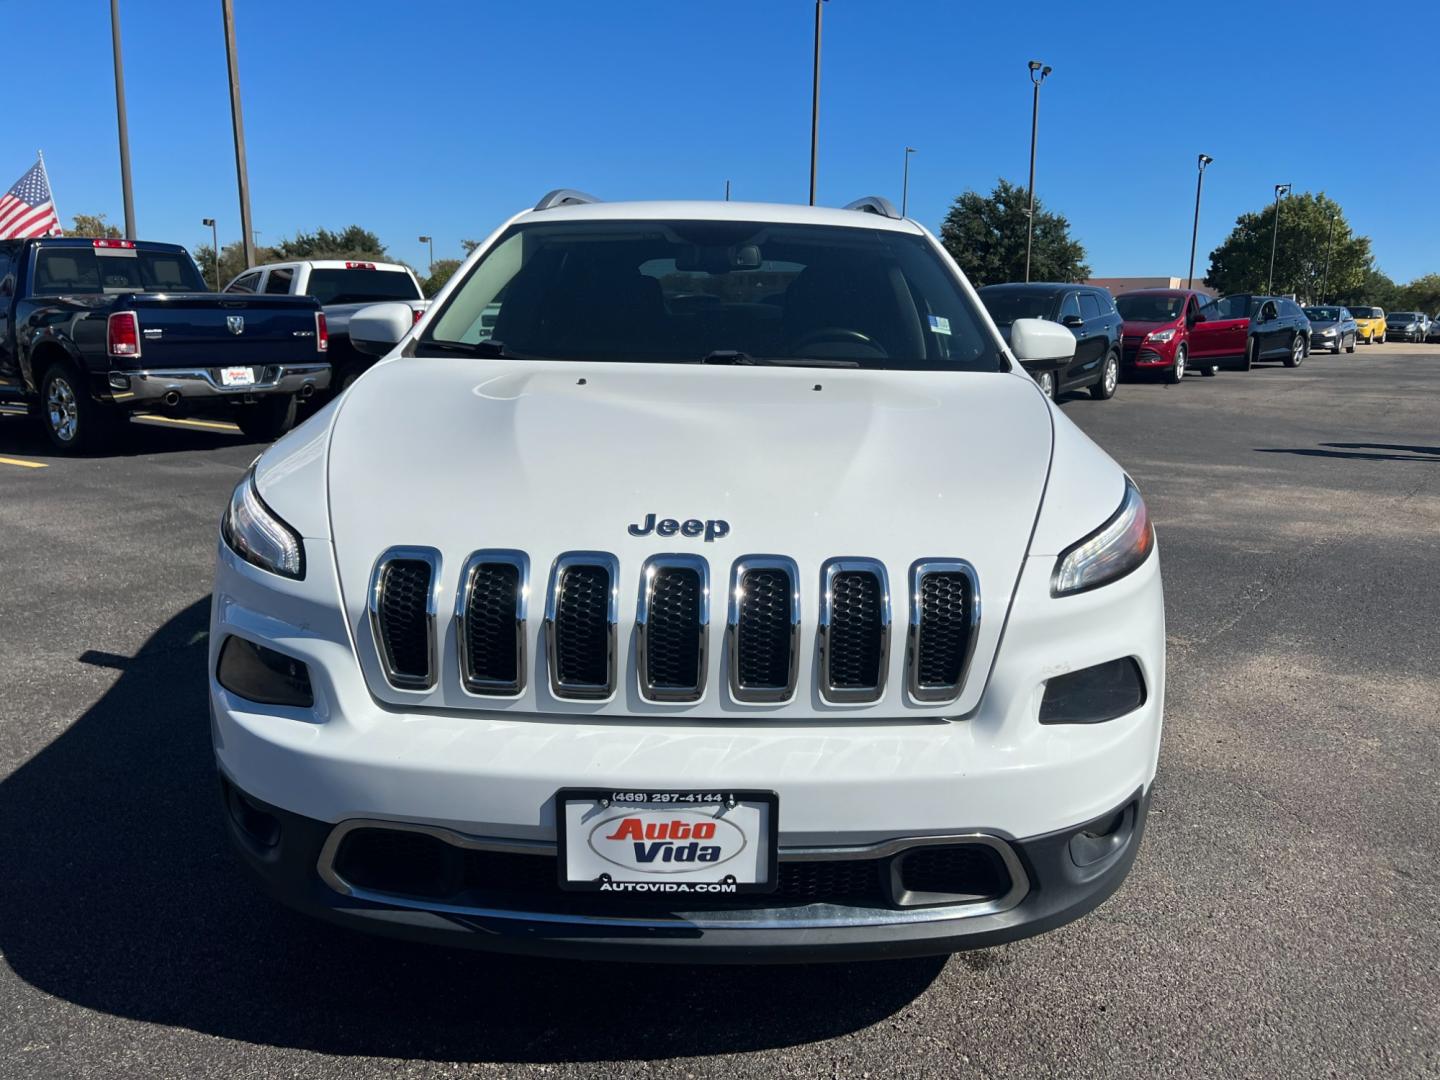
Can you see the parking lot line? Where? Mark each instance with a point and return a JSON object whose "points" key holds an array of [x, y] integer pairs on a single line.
{"points": [[23, 463], [217, 425]]}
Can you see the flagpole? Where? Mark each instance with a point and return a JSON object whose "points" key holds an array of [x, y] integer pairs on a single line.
{"points": [[55, 206]]}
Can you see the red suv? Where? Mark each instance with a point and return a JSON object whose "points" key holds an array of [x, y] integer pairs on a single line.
{"points": [[1156, 336]]}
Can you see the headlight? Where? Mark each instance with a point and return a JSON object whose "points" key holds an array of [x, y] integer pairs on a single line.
{"points": [[1160, 336], [258, 536], [1110, 552], [1327, 333]]}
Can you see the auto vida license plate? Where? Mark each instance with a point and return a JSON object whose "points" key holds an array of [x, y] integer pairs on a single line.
{"points": [[709, 843], [237, 376]]}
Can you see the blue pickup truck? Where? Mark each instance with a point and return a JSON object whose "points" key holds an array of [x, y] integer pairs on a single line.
{"points": [[91, 330]]}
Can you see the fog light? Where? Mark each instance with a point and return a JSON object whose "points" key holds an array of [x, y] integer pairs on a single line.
{"points": [[263, 675], [1094, 694]]}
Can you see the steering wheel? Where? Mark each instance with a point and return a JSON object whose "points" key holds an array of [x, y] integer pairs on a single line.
{"points": [[837, 334]]}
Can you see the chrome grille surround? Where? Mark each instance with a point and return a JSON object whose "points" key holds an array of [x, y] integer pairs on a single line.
{"points": [[376, 598], [770, 695], [472, 682], [825, 631], [572, 690], [919, 571], [654, 566]]}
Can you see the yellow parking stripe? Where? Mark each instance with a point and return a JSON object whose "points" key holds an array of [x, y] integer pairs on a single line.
{"points": [[23, 463], [218, 425]]}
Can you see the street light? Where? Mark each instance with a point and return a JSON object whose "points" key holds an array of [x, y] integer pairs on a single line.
{"points": [[1038, 71], [905, 184], [1280, 190], [1329, 243], [1205, 159], [127, 192], [237, 122], [815, 104], [431, 241], [214, 246]]}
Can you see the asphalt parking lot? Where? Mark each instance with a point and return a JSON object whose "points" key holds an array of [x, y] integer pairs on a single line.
{"points": [[1281, 919]]}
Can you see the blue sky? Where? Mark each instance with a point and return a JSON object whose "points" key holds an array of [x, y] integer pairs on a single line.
{"points": [[445, 117]]}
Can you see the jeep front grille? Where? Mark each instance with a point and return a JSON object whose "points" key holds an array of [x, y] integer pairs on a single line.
{"points": [[854, 630], [490, 626], [581, 614], [402, 615], [944, 622], [672, 626], [763, 629]]}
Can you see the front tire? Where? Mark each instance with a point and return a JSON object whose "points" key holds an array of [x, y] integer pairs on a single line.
{"points": [[1382, 339], [1339, 344], [1351, 347], [1297, 351], [1252, 353], [1104, 390], [266, 420], [1176, 374], [72, 419]]}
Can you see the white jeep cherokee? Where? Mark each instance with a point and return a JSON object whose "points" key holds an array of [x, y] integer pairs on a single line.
{"points": [[697, 581]]}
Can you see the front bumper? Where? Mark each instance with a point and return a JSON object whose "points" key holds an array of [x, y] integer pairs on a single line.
{"points": [[149, 386], [1143, 355], [1056, 878]]}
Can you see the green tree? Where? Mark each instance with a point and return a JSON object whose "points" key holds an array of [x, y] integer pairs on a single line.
{"points": [[986, 236], [1303, 244], [232, 261], [93, 225], [351, 242], [1373, 288], [1422, 294], [440, 273]]}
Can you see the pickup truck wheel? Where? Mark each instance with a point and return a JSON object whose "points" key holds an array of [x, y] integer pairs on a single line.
{"points": [[1104, 390], [72, 420], [268, 419]]}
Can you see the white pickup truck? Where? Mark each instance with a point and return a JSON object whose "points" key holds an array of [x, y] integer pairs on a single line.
{"points": [[343, 287]]}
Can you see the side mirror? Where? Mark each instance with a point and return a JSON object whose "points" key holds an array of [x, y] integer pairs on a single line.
{"points": [[380, 327], [1041, 339], [1071, 320]]}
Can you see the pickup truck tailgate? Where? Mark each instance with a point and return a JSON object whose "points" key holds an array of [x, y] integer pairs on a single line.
{"points": [[221, 330]]}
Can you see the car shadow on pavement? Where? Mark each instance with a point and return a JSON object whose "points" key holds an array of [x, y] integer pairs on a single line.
{"points": [[1360, 451], [21, 437], [118, 892]]}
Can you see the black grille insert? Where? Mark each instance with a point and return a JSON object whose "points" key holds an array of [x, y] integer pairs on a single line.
{"points": [[857, 633], [946, 623], [403, 619], [582, 628], [673, 652], [764, 639], [952, 874], [493, 645]]}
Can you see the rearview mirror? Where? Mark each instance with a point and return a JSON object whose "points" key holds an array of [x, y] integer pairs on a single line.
{"points": [[380, 327], [1040, 339]]}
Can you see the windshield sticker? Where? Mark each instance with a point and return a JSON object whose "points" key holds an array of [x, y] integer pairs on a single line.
{"points": [[939, 324]]}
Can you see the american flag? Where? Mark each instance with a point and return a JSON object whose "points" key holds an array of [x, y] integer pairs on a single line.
{"points": [[28, 208]]}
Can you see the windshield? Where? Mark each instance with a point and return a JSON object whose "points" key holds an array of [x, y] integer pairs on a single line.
{"points": [[62, 271], [1007, 305], [1404, 316], [739, 292], [1140, 307], [1239, 306], [359, 286], [1363, 312], [1323, 314]]}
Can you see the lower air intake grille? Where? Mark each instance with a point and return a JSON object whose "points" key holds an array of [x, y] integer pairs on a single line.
{"points": [[581, 627], [405, 620], [856, 628]]}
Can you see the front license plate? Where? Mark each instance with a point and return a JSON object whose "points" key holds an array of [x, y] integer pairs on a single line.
{"points": [[707, 843], [237, 376]]}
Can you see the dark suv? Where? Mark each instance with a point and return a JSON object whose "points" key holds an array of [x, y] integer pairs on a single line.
{"points": [[1087, 311]]}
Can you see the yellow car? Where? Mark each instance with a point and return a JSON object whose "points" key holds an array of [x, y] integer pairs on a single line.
{"points": [[1369, 324]]}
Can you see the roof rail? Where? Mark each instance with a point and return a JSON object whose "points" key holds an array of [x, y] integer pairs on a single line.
{"points": [[564, 197], [874, 204]]}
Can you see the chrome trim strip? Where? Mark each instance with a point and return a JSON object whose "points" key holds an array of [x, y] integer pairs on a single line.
{"points": [[919, 570], [762, 695], [851, 694], [671, 694], [432, 604], [469, 681], [582, 691], [810, 916]]}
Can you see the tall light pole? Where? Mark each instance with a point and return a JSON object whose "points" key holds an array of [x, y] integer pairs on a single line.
{"points": [[727, 190], [431, 241], [1280, 189], [1038, 72], [1205, 159], [242, 174], [1329, 244], [214, 246], [124, 123], [905, 184], [815, 102]]}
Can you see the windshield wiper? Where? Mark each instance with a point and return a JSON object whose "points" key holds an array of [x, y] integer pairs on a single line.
{"points": [[489, 349], [744, 359]]}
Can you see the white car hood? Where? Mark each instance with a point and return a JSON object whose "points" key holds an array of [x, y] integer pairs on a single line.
{"points": [[460, 454]]}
